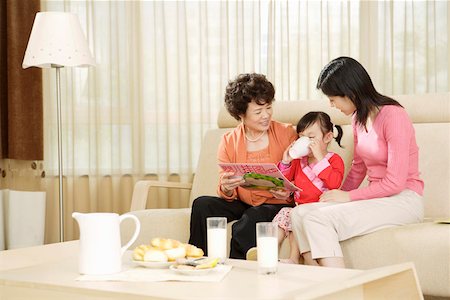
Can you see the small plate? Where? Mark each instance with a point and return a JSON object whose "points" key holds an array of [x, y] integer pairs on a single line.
{"points": [[191, 272], [153, 264]]}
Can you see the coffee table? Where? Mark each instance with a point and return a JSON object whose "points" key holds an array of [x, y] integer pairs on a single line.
{"points": [[49, 272]]}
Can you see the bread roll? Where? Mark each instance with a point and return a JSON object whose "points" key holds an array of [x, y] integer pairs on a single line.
{"points": [[155, 255], [192, 251], [139, 252], [175, 253], [165, 244]]}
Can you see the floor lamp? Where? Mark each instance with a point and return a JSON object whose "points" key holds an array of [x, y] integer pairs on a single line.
{"points": [[57, 41]]}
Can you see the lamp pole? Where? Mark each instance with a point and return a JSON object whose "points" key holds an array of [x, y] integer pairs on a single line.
{"points": [[60, 165], [57, 41]]}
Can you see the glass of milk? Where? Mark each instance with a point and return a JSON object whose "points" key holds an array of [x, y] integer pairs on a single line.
{"points": [[267, 247], [216, 237]]}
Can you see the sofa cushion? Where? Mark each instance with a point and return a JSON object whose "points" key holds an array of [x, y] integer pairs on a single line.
{"points": [[434, 165], [426, 244]]}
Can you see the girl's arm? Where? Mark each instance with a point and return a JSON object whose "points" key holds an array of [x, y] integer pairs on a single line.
{"points": [[286, 165], [288, 170], [330, 171]]}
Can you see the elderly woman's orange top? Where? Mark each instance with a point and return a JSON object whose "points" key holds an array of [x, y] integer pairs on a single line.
{"points": [[233, 149]]}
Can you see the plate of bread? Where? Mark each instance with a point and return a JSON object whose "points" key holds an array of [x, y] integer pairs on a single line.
{"points": [[162, 253]]}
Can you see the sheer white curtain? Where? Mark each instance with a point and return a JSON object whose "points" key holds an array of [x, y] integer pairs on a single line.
{"points": [[405, 45], [161, 72], [304, 36], [162, 67]]}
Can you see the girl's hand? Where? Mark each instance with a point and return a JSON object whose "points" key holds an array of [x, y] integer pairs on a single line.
{"points": [[335, 196], [286, 157], [317, 149], [280, 194], [229, 182]]}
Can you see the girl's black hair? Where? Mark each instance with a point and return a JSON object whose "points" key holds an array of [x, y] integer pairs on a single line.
{"points": [[344, 76], [325, 124]]}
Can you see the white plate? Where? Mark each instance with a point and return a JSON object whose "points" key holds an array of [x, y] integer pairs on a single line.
{"points": [[191, 271], [152, 264]]}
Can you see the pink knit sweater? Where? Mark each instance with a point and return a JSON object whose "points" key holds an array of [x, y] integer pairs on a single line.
{"points": [[387, 153]]}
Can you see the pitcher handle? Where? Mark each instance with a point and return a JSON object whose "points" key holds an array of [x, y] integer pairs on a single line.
{"points": [[136, 231]]}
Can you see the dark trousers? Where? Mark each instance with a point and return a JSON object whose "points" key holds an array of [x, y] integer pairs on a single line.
{"points": [[243, 233]]}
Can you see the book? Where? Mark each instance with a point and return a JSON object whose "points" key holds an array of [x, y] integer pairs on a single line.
{"points": [[264, 176]]}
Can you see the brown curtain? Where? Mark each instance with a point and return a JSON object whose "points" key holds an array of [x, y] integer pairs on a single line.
{"points": [[3, 80], [21, 109]]}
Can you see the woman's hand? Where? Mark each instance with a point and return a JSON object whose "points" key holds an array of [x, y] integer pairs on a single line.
{"points": [[280, 194], [317, 149], [229, 182], [335, 196]]}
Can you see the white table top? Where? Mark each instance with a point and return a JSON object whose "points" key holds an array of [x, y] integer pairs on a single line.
{"points": [[56, 268]]}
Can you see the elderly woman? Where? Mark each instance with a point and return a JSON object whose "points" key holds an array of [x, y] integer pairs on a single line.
{"points": [[257, 139]]}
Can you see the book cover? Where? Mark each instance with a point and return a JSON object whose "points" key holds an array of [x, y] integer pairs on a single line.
{"points": [[260, 176]]}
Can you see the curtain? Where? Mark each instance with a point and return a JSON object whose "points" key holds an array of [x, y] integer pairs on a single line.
{"points": [[21, 107], [306, 35], [412, 53], [21, 110], [21, 125], [162, 67]]}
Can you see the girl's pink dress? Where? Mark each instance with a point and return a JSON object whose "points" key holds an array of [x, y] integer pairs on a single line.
{"points": [[283, 218]]}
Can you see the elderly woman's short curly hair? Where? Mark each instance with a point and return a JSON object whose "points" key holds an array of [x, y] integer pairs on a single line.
{"points": [[246, 88]]}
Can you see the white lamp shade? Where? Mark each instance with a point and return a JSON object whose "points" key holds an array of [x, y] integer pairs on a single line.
{"points": [[57, 39]]}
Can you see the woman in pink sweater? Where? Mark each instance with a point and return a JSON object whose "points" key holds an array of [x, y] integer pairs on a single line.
{"points": [[385, 150]]}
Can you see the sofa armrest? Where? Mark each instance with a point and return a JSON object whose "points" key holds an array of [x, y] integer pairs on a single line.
{"points": [[165, 223], [141, 188]]}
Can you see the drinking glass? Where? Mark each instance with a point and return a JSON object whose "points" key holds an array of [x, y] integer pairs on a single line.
{"points": [[267, 247], [300, 147], [217, 237]]}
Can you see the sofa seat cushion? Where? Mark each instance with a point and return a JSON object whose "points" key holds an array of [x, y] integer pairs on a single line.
{"points": [[425, 244]]}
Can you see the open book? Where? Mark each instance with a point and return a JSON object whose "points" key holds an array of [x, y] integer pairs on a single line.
{"points": [[260, 176]]}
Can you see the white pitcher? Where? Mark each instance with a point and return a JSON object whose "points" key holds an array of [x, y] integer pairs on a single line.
{"points": [[100, 245]]}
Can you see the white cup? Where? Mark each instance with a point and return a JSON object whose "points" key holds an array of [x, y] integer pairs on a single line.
{"points": [[267, 247], [300, 147], [216, 237]]}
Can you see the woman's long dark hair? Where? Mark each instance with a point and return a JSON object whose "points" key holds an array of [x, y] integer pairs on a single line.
{"points": [[324, 121], [344, 76]]}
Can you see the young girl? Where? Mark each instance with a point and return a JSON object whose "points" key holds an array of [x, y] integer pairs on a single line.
{"points": [[314, 174]]}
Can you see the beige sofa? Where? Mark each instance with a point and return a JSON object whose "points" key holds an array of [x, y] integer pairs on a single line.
{"points": [[426, 244]]}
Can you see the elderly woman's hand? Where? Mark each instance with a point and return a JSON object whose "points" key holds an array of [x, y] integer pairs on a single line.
{"points": [[280, 194], [335, 196], [229, 182]]}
